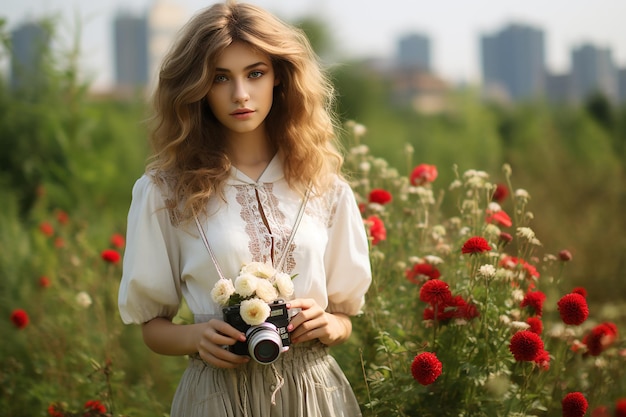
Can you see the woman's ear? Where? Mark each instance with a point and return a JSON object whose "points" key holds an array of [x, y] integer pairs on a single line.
{"points": [[276, 81]]}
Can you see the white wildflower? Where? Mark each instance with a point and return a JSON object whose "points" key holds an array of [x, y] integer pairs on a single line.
{"points": [[487, 271], [517, 326], [504, 319], [376, 208], [415, 259], [518, 295], [380, 164], [522, 194], [525, 232], [439, 231], [254, 311], [494, 207], [408, 149], [433, 260], [83, 299], [222, 291], [365, 166], [455, 184], [359, 130], [360, 150], [246, 284]]}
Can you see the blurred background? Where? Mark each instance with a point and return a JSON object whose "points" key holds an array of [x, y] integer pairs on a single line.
{"points": [[538, 85]]}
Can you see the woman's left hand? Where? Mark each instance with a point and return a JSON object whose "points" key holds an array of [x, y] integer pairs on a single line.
{"points": [[312, 322]]}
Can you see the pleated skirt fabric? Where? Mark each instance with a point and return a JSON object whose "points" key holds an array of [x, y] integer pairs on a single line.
{"points": [[305, 381]]}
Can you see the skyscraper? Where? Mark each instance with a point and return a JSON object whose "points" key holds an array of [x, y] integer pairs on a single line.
{"points": [[513, 61], [414, 52], [30, 43], [593, 71], [165, 18], [131, 51]]}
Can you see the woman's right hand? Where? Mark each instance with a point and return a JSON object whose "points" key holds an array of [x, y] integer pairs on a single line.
{"points": [[209, 339], [213, 344]]}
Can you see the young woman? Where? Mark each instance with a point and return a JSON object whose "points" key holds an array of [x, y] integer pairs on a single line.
{"points": [[244, 170]]}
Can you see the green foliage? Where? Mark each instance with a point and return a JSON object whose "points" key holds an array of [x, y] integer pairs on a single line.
{"points": [[480, 375], [65, 150]]}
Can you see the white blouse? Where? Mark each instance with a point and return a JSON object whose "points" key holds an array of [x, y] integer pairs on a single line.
{"points": [[165, 261]]}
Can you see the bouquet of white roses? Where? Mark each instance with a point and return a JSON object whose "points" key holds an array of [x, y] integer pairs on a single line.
{"points": [[256, 285]]}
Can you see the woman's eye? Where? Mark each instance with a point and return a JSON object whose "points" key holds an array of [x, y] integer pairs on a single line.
{"points": [[256, 74], [220, 78]]}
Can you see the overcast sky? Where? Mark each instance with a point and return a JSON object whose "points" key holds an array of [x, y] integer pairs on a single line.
{"points": [[371, 28]]}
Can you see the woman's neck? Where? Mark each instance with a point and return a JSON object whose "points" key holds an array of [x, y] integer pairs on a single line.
{"points": [[250, 155]]}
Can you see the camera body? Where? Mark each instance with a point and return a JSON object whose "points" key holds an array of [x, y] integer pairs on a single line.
{"points": [[266, 341]]}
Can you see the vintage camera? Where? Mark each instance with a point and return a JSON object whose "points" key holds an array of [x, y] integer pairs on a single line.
{"points": [[266, 341]]}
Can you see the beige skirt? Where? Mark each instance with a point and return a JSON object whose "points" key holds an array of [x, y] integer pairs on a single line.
{"points": [[304, 382]]}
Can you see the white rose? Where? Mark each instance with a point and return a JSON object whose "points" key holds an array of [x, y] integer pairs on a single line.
{"points": [[254, 311], [266, 291], [246, 284], [259, 269], [284, 284], [222, 290]]}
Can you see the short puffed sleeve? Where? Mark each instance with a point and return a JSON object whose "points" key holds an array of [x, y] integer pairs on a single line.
{"points": [[150, 285], [347, 263]]}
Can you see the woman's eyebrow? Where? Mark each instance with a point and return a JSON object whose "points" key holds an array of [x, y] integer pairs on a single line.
{"points": [[256, 64]]}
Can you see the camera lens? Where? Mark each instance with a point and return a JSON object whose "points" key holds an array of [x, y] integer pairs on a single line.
{"points": [[264, 343]]}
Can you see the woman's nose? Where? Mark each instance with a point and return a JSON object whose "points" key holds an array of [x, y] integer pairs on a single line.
{"points": [[240, 92]]}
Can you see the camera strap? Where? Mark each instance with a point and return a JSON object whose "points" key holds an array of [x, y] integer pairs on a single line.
{"points": [[278, 267]]}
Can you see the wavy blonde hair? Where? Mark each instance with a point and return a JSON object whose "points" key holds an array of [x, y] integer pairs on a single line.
{"points": [[188, 141]]}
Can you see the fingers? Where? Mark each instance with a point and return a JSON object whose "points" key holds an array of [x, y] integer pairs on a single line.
{"points": [[214, 343], [310, 323]]}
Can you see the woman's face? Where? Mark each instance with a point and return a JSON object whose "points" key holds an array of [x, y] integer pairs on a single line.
{"points": [[243, 87]]}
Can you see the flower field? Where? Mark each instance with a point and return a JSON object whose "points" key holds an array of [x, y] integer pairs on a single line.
{"points": [[497, 246]]}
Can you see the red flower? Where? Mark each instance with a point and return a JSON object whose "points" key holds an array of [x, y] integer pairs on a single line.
{"points": [[600, 338], [44, 281], [543, 360], [56, 410], [534, 300], [453, 308], [500, 217], [580, 290], [435, 292], [380, 196], [573, 309], [511, 262], [376, 229], [574, 405], [426, 368], [46, 228], [118, 241], [620, 408], [505, 238], [59, 242], [111, 256], [501, 193], [19, 318], [423, 174], [95, 406], [565, 255], [536, 325], [526, 346], [601, 411], [475, 244], [62, 217], [424, 270]]}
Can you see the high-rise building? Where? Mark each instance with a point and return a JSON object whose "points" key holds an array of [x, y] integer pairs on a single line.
{"points": [[30, 42], [131, 50], [593, 71], [513, 62], [414, 52], [621, 79], [165, 18]]}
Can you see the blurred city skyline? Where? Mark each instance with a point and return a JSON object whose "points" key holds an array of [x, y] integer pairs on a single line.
{"points": [[363, 29]]}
